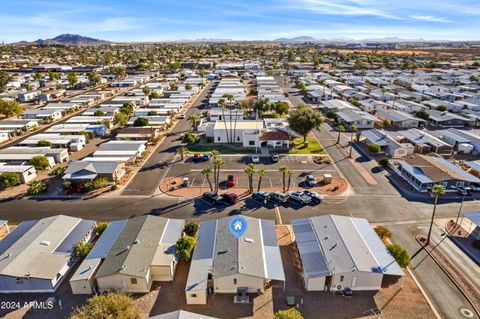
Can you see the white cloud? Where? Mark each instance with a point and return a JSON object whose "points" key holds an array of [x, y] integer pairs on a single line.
{"points": [[430, 18]]}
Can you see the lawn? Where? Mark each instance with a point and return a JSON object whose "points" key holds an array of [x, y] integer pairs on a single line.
{"points": [[223, 149], [313, 147]]}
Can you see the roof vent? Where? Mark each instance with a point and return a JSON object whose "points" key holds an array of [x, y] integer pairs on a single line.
{"points": [[249, 240], [45, 243]]}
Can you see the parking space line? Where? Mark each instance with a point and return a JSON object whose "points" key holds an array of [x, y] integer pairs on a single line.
{"points": [[279, 216], [193, 181], [271, 185], [203, 183]]}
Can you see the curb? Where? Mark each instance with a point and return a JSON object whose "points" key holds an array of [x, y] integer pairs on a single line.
{"points": [[430, 303]]}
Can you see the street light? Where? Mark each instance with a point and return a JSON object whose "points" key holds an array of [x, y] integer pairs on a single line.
{"points": [[464, 192]]}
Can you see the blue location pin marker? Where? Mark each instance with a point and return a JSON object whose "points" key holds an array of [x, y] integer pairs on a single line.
{"points": [[238, 226]]}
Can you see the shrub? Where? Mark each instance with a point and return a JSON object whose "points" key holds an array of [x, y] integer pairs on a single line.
{"points": [[476, 243], [384, 162], [291, 313], [141, 121], [100, 228], [400, 254], [374, 149], [58, 171], [37, 187], [111, 305], [191, 138], [67, 184], [9, 179], [44, 143], [99, 113], [383, 232], [100, 182], [191, 229], [81, 250], [331, 115], [184, 247], [40, 161], [88, 187]]}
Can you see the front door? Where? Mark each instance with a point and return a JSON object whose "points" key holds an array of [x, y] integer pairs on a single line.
{"points": [[354, 281]]}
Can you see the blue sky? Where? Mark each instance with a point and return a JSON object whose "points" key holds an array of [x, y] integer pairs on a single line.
{"points": [[156, 20]]}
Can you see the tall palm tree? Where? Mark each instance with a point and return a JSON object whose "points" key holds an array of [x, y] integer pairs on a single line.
{"points": [[207, 171], [261, 172], [437, 190], [194, 119], [218, 163], [238, 106], [222, 102], [250, 171], [182, 151], [340, 129], [215, 153], [353, 129], [283, 170], [290, 173], [227, 104]]}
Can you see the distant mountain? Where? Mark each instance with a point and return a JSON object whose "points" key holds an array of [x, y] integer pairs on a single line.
{"points": [[67, 39], [296, 39]]}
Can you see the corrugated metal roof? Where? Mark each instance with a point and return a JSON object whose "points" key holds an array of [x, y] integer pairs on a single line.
{"points": [[172, 232], [474, 217], [106, 240], [16, 234], [272, 256], [76, 235]]}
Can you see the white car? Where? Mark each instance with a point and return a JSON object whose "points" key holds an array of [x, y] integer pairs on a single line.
{"points": [[299, 197], [255, 159], [181, 116], [279, 197]]}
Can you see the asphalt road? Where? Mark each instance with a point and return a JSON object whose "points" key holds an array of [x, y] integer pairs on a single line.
{"points": [[146, 182]]}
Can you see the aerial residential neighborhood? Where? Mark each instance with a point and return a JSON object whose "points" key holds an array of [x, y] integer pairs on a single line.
{"points": [[209, 159]]}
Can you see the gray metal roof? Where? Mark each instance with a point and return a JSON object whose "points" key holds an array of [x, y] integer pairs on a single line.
{"points": [[415, 171], [136, 246], [76, 235], [397, 116], [332, 244], [181, 314], [15, 234]]}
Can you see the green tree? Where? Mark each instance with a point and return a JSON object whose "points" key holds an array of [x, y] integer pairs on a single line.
{"points": [[261, 172], [473, 78], [94, 78], [10, 108], [9, 179], [353, 130], [116, 305], [127, 108], [436, 191], [284, 170], [72, 78], [423, 115], [182, 151], [154, 95], [100, 228], [184, 247], [141, 121], [100, 182], [39, 161], [191, 229], [442, 108], [400, 254], [58, 171], [291, 313], [191, 138], [120, 118], [146, 90], [281, 107], [373, 149], [4, 79], [120, 71], [331, 115], [340, 128], [37, 187], [304, 120], [250, 171], [207, 171], [82, 249], [194, 119], [383, 232], [99, 113], [290, 174], [173, 87], [218, 162], [44, 143], [188, 86]]}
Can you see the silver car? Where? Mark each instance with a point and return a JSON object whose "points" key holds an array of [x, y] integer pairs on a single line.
{"points": [[299, 197], [279, 197]]}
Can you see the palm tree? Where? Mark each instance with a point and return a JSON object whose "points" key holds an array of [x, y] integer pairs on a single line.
{"points": [[218, 163], [207, 171], [215, 153], [250, 171], [340, 129], [194, 119], [261, 172], [182, 151], [227, 103], [353, 128], [283, 170], [238, 106], [290, 173], [437, 190]]}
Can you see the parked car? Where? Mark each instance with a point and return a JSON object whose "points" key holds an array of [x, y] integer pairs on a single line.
{"points": [[347, 292], [261, 197], [161, 164], [316, 197], [279, 197], [230, 181], [274, 157], [181, 116], [464, 191], [197, 158], [310, 181], [212, 198], [299, 197], [230, 198], [205, 157], [255, 159]]}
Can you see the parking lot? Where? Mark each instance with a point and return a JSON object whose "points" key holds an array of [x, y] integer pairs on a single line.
{"points": [[235, 165]]}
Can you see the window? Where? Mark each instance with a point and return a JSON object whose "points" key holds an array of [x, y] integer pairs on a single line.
{"points": [[234, 281], [238, 138], [341, 278], [251, 143], [18, 281], [193, 295], [133, 281], [460, 184], [218, 139]]}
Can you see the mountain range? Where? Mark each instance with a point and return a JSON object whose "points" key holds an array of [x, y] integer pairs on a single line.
{"points": [[66, 39]]}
